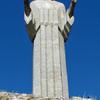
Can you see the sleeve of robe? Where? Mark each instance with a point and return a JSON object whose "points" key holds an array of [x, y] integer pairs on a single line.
{"points": [[68, 24], [30, 26]]}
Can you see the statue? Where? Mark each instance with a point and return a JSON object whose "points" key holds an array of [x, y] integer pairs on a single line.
{"points": [[48, 24]]}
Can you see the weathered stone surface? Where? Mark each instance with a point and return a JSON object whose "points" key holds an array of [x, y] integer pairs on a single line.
{"points": [[49, 66], [43, 62], [37, 66], [17, 96], [49, 63]]}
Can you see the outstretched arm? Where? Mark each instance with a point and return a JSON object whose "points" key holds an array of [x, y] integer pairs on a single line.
{"points": [[72, 7], [28, 19], [70, 19]]}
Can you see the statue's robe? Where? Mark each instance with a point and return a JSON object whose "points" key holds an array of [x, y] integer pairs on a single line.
{"points": [[48, 29]]}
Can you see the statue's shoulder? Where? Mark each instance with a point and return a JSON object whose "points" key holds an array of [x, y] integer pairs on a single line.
{"points": [[41, 4], [58, 4], [36, 3], [46, 4], [33, 3]]}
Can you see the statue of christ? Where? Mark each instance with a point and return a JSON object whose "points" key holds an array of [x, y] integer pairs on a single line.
{"points": [[48, 24]]}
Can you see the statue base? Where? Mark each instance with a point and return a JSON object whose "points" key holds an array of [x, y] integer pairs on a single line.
{"points": [[17, 96]]}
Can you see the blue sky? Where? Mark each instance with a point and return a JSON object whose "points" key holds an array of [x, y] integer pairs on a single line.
{"points": [[82, 49]]}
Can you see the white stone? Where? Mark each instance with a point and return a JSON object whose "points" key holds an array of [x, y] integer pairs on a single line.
{"points": [[49, 54], [49, 67], [43, 61], [17, 96], [37, 66], [63, 68], [56, 59]]}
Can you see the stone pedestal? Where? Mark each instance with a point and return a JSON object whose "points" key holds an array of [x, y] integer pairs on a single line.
{"points": [[17, 96]]}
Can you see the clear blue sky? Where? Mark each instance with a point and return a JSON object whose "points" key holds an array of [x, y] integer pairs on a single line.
{"points": [[82, 48]]}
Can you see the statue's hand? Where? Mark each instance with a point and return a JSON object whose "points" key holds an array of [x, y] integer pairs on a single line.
{"points": [[70, 20], [26, 2], [27, 7]]}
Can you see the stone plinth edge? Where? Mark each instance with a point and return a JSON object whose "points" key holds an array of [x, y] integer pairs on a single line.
{"points": [[17, 96]]}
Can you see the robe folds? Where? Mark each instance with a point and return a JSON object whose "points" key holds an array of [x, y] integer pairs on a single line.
{"points": [[48, 30]]}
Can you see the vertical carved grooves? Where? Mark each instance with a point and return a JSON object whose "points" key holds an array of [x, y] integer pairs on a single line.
{"points": [[51, 25], [46, 63], [57, 66], [46, 53], [66, 75], [36, 66], [53, 59], [41, 32], [61, 65], [40, 58], [56, 51], [40, 64], [40, 61], [43, 62], [63, 68], [46, 32], [37, 62], [46, 67], [49, 68]]}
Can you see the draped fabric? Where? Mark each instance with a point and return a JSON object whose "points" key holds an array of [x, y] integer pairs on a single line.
{"points": [[49, 63]]}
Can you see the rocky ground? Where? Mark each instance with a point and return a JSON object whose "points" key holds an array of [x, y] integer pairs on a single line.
{"points": [[17, 96]]}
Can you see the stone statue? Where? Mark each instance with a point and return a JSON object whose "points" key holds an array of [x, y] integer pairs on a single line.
{"points": [[48, 24]]}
